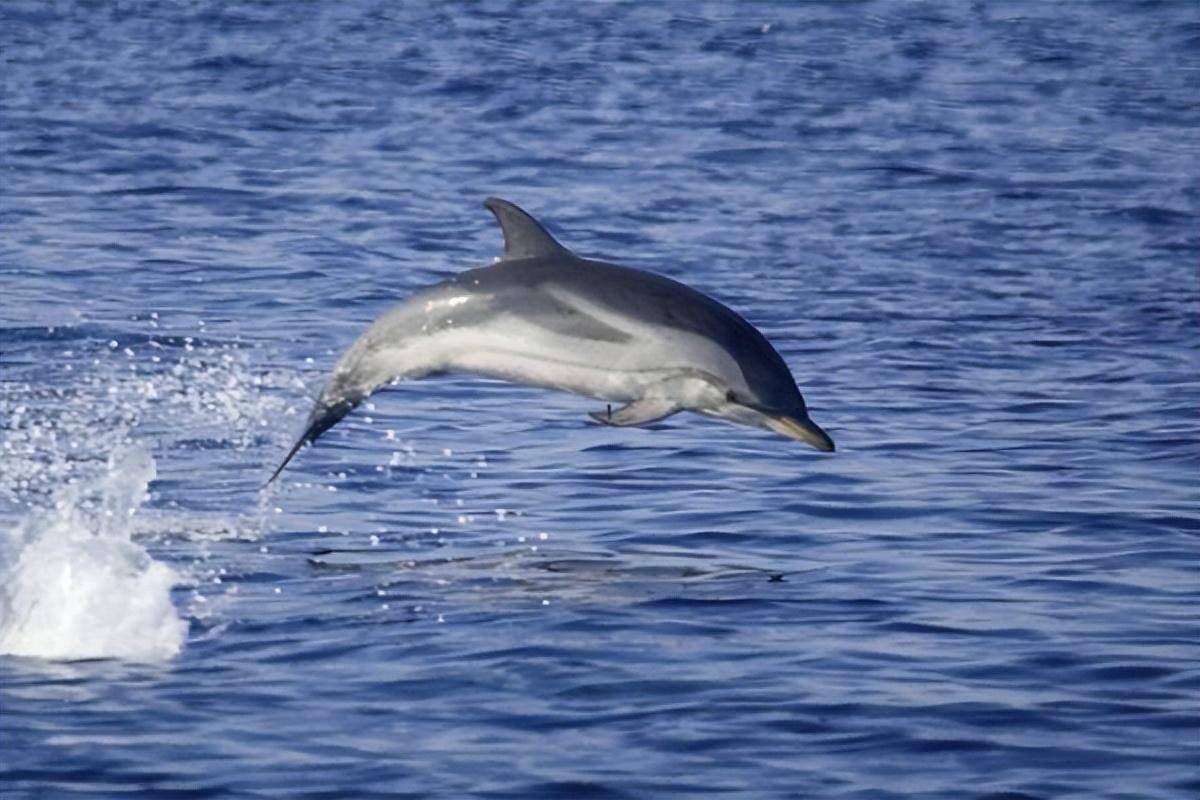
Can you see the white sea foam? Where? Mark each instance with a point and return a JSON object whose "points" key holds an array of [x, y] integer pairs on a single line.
{"points": [[76, 578], [73, 584]]}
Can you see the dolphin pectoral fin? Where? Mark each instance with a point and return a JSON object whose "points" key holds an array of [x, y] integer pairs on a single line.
{"points": [[639, 412]]}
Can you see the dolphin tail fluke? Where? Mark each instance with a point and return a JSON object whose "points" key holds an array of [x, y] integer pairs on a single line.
{"points": [[303, 440], [321, 420]]}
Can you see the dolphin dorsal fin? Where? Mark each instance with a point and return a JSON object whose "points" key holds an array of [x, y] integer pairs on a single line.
{"points": [[524, 236]]}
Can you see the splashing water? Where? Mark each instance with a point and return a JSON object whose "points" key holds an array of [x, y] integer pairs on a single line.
{"points": [[76, 578], [75, 585]]}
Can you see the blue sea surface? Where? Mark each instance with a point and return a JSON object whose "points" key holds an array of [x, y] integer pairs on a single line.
{"points": [[970, 228]]}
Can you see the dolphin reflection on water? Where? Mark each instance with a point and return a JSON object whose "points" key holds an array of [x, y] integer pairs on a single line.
{"points": [[543, 316]]}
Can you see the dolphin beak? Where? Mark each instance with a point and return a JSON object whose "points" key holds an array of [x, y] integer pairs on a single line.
{"points": [[801, 429], [322, 419]]}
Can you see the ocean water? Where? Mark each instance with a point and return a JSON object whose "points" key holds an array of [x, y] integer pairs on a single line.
{"points": [[970, 229]]}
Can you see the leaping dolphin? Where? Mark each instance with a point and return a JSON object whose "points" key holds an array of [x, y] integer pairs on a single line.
{"points": [[543, 316]]}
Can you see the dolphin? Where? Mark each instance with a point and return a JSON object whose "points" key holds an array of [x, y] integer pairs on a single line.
{"points": [[543, 316]]}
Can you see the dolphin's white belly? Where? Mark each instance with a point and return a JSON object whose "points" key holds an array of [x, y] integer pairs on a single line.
{"points": [[645, 361]]}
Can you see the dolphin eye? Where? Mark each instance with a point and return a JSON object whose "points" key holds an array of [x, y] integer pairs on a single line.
{"points": [[731, 396]]}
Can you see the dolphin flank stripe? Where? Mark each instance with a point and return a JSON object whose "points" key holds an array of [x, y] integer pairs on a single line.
{"points": [[542, 316], [561, 317]]}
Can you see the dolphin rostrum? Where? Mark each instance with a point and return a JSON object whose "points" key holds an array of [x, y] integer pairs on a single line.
{"points": [[543, 316]]}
